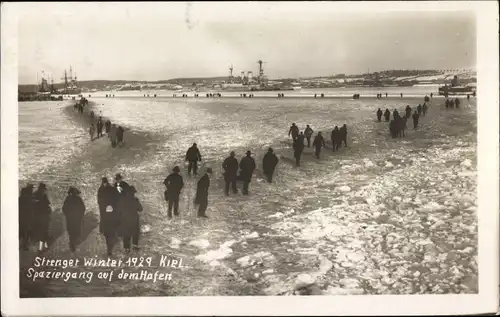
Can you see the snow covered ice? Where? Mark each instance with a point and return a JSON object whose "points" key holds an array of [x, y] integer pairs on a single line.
{"points": [[379, 217]]}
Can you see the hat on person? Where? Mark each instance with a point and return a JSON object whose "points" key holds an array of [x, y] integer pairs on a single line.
{"points": [[176, 169], [249, 153], [118, 176]]}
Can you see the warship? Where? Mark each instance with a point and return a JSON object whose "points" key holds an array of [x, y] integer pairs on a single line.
{"points": [[247, 82], [455, 88]]}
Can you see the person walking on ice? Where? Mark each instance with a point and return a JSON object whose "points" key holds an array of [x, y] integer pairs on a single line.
{"points": [[174, 184], [269, 163], [230, 166], [92, 132], [201, 197], [308, 132], [129, 229], [318, 143], [247, 166], [193, 156], [73, 209], [41, 219]]}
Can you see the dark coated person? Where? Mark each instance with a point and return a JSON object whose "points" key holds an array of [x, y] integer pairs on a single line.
{"points": [[193, 156], [129, 227], [106, 196], [343, 134], [335, 138], [387, 115], [41, 218], [120, 184], [174, 184], [247, 166], [379, 115], [107, 199], [308, 132], [107, 127], [395, 115], [415, 117], [230, 166], [119, 134], [424, 109], [269, 163], [73, 209], [318, 143], [408, 111], [26, 209], [99, 127], [298, 148], [294, 131], [201, 198]]}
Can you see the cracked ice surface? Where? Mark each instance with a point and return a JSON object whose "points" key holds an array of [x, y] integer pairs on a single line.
{"points": [[383, 216], [407, 237]]}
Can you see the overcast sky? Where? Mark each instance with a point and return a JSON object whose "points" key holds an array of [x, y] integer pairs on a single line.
{"points": [[154, 41]]}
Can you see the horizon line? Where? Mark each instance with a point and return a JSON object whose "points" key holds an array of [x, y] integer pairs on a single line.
{"points": [[298, 77]]}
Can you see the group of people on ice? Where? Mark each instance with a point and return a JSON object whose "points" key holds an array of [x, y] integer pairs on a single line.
{"points": [[233, 171], [115, 133], [338, 137], [449, 103], [397, 125], [78, 106], [118, 210]]}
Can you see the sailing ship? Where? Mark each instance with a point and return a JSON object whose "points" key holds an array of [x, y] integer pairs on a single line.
{"points": [[70, 84]]}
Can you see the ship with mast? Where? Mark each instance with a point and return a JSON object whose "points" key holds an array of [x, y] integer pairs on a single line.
{"points": [[43, 85], [247, 82], [70, 84]]}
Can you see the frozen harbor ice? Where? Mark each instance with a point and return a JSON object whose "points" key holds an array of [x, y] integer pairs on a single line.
{"points": [[384, 216]]}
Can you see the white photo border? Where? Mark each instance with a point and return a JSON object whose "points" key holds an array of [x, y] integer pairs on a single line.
{"points": [[486, 301]]}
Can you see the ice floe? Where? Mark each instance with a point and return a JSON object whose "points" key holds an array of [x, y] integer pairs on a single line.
{"points": [[201, 243]]}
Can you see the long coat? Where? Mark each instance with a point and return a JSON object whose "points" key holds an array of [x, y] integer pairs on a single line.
{"points": [[74, 210], [230, 166], [129, 208], [387, 115], [294, 131], [107, 125], [119, 134], [247, 166], [112, 133], [298, 147], [202, 190], [335, 136], [41, 219], [193, 154], [174, 184], [319, 141], [269, 162], [107, 196], [26, 212]]}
